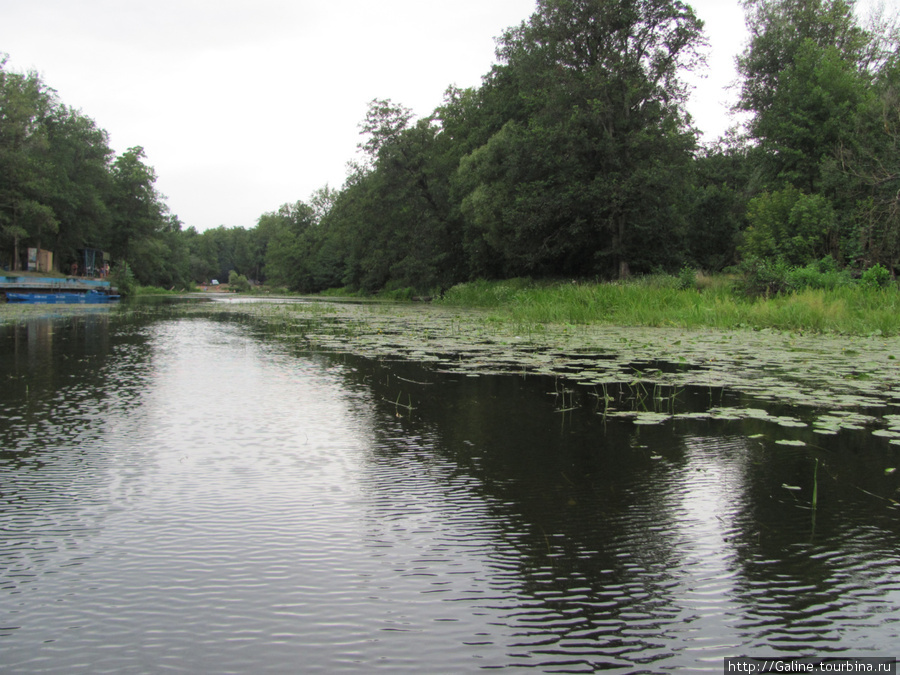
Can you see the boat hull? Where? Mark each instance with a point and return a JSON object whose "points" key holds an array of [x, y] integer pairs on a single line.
{"points": [[88, 298]]}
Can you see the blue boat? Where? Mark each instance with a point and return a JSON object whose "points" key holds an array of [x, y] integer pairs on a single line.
{"points": [[89, 297], [50, 290]]}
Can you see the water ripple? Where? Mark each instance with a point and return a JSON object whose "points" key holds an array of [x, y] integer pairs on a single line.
{"points": [[234, 505]]}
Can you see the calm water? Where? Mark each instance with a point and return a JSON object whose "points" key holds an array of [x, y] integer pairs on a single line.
{"points": [[187, 495]]}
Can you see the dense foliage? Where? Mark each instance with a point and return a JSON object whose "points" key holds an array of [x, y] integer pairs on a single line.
{"points": [[62, 189], [574, 158]]}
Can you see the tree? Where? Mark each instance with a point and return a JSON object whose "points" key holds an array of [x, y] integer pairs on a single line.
{"points": [[811, 114], [201, 255], [385, 121], [778, 30], [25, 170], [815, 81], [721, 185], [287, 254], [164, 257], [60, 187], [865, 172], [81, 181], [595, 166], [393, 219], [138, 211]]}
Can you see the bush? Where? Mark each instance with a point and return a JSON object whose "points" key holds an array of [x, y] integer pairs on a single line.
{"points": [[787, 224], [768, 278], [238, 282], [122, 279], [876, 276], [823, 274], [764, 277], [687, 278]]}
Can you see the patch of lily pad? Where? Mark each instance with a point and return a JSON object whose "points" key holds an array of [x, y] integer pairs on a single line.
{"points": [[835, 383], [642, 417]]}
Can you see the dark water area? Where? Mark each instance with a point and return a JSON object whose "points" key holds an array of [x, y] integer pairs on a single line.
{"points": [[188, 494]]}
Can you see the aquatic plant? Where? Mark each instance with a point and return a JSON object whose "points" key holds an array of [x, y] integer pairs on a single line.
{"points": [[621, 367], [815, 492]]}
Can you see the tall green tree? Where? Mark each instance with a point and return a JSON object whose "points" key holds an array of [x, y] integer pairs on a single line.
{"points": [[393, 218], [81, 182], [163, 259], [778, 31], [288, 252], [721, 186], [813, 82], [383, 124], [201, 255], [25, 167], [813, 112], [138, 212], [865, 172], [594, 165]]}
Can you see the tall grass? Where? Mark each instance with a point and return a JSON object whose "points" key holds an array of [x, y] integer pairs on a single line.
{"points": [[658, 301]]}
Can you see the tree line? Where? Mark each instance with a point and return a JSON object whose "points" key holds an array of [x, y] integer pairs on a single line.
{"points": [[575, 157], [63, 189]]}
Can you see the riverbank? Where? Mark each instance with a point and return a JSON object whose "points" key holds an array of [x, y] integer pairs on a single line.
{"points": [[711, 303], [658, 301]]}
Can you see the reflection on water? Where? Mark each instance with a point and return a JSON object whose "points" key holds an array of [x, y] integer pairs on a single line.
{"points": [[187, 495]]}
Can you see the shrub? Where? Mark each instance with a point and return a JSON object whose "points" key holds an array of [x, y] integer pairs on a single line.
{"points": [[788, 224], [238, 282], [876, 276], [687, 278], [823, 274], [122, 279], [764, 277]]}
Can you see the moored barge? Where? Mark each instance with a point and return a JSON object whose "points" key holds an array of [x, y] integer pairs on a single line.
{"points": [[68, 290]]}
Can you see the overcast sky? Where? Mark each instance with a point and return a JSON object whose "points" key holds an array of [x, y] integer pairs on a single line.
{"points": [[244, 105]]}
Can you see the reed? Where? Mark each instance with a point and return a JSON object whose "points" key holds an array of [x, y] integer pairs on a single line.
{"points": [[815, 494], [853, 309]]}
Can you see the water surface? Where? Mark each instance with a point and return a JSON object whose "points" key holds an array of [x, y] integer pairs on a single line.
{"points": [[192, 494]]}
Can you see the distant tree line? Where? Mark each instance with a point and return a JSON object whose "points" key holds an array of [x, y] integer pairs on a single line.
{"points": [[574, 158]]}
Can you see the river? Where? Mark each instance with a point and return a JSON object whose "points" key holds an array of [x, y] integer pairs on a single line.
{"points": [[189, 493]]}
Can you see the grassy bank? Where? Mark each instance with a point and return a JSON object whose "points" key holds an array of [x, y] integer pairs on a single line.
{"points": [[657, 301]]}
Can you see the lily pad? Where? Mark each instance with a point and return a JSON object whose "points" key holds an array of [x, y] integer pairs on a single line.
{"points": [[835, 374], [651, 418], [790, 422]]}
